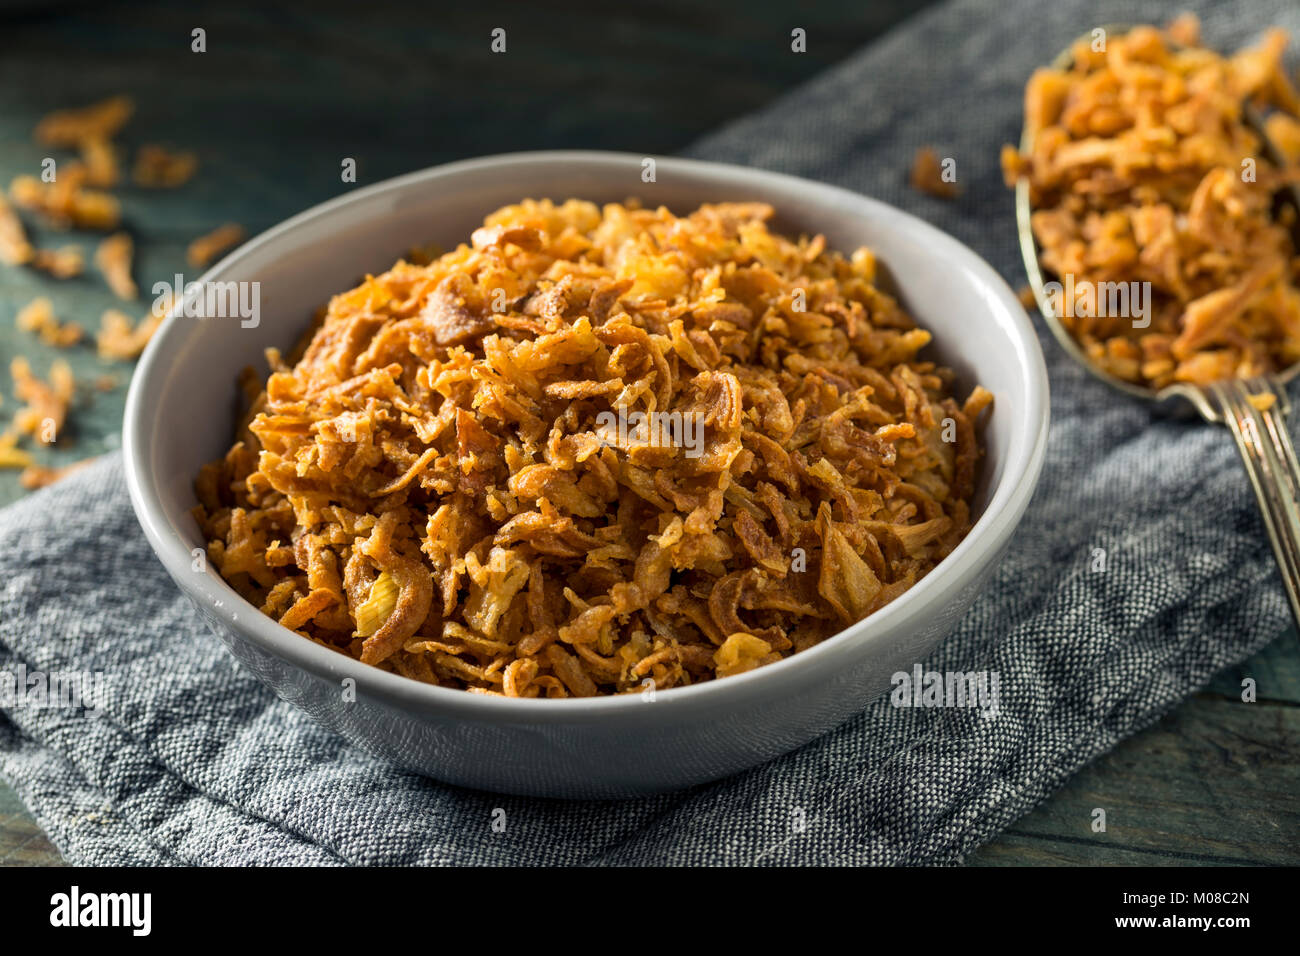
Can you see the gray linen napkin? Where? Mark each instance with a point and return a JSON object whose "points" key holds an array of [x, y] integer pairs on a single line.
{"points": [[193, 761]]}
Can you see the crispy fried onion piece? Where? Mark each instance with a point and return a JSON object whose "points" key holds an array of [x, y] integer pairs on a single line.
{"points": [[414, 591], [845, 580]]}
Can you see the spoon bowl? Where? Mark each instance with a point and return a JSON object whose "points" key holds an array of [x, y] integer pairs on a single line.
{"points": [[1255, 410]]}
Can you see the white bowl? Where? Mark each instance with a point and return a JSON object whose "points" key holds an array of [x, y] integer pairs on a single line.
{"points": [[180, 414]]}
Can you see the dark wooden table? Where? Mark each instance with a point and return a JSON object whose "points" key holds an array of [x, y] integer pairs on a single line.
{"points": [[281, 97]]}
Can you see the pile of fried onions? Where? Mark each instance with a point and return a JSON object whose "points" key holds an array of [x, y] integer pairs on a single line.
{"points": [[427, 487], [1145, 170]]}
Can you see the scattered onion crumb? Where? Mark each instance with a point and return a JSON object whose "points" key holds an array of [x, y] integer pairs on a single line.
{"points": [[11, 456], [44, 402], [113, 258], [15, 250], [100, 159], [121, 339], [927, 175], [39, 476], [38, 316], [1185, 29], [159, 168], [64, 262], [65, 202], [206, 248], [72, 127]]}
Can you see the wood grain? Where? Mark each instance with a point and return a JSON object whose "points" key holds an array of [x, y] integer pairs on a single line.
{"points": [[21, 841], [1213, 783]]}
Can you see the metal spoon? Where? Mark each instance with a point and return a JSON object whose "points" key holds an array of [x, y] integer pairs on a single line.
{"points": [[1261, 434]]}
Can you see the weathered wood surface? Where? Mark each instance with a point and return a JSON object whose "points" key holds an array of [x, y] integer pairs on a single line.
{"points": [[1213, 783], [21, 841], [281, 97]]}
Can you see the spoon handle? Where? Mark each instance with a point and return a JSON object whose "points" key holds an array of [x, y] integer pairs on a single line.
{"points": [[1255, 412]]}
